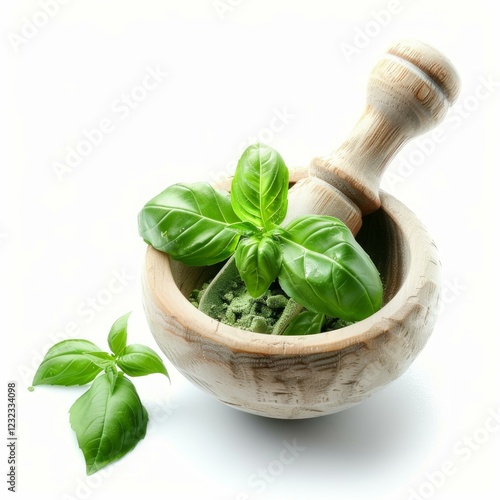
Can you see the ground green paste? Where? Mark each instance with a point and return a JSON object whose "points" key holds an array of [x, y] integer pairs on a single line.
{"points": [[269, 313]]}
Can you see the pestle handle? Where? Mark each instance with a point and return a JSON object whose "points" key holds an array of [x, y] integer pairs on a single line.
{"points": [[409, 91]]}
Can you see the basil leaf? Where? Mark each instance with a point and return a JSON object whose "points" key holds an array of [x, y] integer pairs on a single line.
{"points": [[305, 323], [66, 364], [190, 223], [258, 261], [112, 374], [326, 270], [137, 360], [117, 338], [260, 186], [108, 423], [245, 228], [101, 359]]}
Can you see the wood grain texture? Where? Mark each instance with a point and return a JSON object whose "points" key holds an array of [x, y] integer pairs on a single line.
{"points": [[307, 376], [315, 196]]}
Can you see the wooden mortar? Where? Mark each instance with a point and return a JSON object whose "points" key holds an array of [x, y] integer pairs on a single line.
{"points": [[313, 375]]}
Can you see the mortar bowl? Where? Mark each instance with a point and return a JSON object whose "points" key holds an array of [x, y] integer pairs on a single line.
{"points": [[294, 377]]}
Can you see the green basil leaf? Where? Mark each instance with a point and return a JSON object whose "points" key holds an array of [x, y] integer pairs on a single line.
{"points": [[66, 364], [326, 270], [258, 261], [117, 338], [138, 360], [245, 228], [112, 374], [191, 223], [260, 186], [108, 422], [101, 359], [306, 323]]}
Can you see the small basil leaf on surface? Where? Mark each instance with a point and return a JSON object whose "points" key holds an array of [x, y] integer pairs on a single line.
{"points": [[191, 223], [138, 360], [305, 323], [258, 261], [326, 270], [108, 421], [66, 364], [260, 186], [117, 337]]}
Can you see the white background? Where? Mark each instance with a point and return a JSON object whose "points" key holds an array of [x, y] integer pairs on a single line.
{"points": [[64, 237]]}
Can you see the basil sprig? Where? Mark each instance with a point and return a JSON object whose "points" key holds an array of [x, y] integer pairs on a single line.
{"points": [[316, 259], [109, 419]]}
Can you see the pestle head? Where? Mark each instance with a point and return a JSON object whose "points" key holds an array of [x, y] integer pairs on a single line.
{"points": [[431, 62], [415, 80], [409, 91]]}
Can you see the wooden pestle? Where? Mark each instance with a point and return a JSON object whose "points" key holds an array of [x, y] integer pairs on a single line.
{"points": [[409, 91]]}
